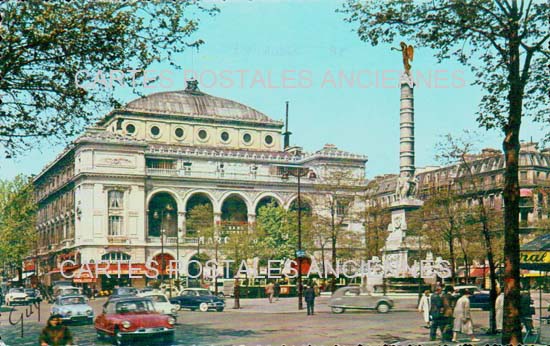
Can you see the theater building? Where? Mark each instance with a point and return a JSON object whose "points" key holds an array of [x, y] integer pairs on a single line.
{"points": [[122, 190]]}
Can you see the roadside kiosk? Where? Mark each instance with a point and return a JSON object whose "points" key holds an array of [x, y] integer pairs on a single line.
{"points": [[535, 255]]}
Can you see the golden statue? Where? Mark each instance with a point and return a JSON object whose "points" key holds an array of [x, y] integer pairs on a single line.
{"points": [[408, 55]]}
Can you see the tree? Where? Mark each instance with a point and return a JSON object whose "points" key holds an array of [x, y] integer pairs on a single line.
{"points": [[377, 219], [18, 234], [504, 42], [201, 223], [334, 197], [458, 151], [47, 47], [276, 229], [442, 219]]}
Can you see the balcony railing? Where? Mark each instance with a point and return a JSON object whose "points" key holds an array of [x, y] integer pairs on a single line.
{"points": [[230, 176], [173, 240]]}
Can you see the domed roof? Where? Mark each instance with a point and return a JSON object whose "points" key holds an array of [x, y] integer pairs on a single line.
{"points": [[193, 102]]}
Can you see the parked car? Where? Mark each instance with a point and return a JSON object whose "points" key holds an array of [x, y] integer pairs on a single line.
{"points": [[17, 296], [125, 291], [479, 298], [127, 319], [198, 298], [351, 297], [34, 295], [161, 303], [65, 291], [73, 309]]}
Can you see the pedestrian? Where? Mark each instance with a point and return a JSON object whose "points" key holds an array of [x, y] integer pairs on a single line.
{"points": [[55, 333], [277, 288], [526, 311], [463, 318], [309, 296], [436, 306], [424, 307], [499, 311], [270, 291], [236, 294], [447, 318]]}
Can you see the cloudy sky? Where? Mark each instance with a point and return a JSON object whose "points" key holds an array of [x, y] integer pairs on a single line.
{"points": [[341, 90]]}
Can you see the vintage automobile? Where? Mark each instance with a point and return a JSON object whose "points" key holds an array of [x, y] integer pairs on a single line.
{"points": [[352, 297], [132, 318], [479, 299], [65, 291], [17, 296], [34, 295], [73, 309], [161, 303], [125, 291], [198, 299]]}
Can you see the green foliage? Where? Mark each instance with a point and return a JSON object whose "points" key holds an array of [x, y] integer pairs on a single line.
{"points": [[45, 43], [477, 33], [201, 221], [18, 234], [277, 231]]}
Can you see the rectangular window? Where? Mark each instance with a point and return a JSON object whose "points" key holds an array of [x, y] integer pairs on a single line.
{"points": [[491, 201], [523, 175], [160, 163], [342, 208], [115, 225], [116, 199]]}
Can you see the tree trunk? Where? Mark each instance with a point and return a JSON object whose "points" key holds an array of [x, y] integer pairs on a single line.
{"points": [[492, 270], [452, 251], [512, 326]]}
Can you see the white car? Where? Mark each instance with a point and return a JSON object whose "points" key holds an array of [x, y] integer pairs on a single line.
{"points": [[17, 296], [161, 303]]}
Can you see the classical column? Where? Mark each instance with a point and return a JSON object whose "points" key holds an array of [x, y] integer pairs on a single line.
{"points": [[183, 226], [406, 134], [251, 221]]}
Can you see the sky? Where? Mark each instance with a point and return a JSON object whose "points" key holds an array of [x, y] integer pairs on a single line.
{"points": [[341, 91]]}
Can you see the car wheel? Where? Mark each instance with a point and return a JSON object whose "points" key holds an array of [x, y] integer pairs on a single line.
{"points": [[219, 309], [338, 310], [383, 308], [203, 307]]}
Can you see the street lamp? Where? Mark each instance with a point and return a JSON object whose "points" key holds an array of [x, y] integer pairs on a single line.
{"points": [[164, 211], [298, 172]]}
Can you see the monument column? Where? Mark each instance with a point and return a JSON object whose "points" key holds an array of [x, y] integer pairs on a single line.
{"points": [[406, 125]]}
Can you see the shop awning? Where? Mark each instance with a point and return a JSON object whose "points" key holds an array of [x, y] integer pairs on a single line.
{"points": [[535, 255], [526, 193], [479, 272], [25, 275]]}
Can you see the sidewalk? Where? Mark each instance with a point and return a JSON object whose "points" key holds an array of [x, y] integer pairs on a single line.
{"points": [[290, 305]]}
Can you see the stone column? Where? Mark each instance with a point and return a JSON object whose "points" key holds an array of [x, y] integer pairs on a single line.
{"points": [[251, 221], [183, 227], [406, 134]]}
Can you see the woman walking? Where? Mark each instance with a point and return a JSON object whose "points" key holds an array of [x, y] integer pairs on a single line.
{"points": [[463, 318], [424, 307]]}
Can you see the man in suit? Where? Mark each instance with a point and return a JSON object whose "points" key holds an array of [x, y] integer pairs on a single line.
{"points": [[310, 299], [436, 313]]}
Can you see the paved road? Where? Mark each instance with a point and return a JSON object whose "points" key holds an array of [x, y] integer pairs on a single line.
{"points": [[258, 323]]}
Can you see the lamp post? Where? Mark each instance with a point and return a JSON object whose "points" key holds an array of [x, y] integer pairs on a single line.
{"points": [[156, 215], [298, 172]]}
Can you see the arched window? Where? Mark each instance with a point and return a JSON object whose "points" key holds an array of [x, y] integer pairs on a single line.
{"points": [[115, 256]]}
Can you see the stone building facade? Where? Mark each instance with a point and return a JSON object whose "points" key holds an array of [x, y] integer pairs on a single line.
{"points": [[134, 176]]}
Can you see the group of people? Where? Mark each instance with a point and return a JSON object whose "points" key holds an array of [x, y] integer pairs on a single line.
{"points": [[443, 312]]}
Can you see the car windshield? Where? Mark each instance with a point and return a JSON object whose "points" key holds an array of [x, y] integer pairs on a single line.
{"points": [[16, 290], [70, 291], [134, 306], [158, 299], [30, 291], [204, 292], [73, 300]]}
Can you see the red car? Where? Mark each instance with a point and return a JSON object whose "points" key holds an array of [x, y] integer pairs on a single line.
{"points": [[131, 318]]}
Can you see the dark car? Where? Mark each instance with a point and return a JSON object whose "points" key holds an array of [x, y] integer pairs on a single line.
{"points": [[198, 299], [479, 299]]}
